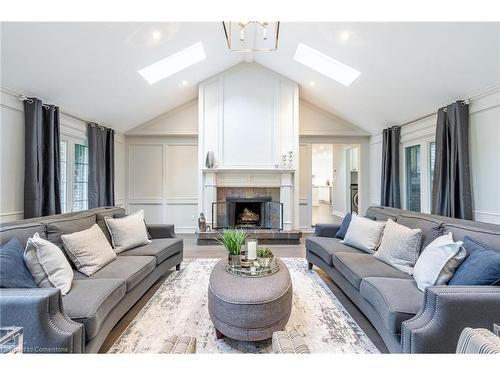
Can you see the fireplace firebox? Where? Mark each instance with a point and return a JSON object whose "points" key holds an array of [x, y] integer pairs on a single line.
{"points": [[248, 213]]}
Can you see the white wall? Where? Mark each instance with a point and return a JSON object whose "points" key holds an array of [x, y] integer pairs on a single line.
{"points": [[181, 121], [12, 155], [484, 130]]}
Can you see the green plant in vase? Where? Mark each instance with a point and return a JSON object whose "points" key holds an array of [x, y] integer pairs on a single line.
{"points": [[232, 240], [264, 256]]}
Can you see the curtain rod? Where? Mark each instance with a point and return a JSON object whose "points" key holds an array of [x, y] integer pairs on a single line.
{"points": [[24, 97], [466, 101]]}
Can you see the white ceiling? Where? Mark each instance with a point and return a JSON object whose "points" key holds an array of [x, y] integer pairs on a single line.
{"points": [[407, 69]]}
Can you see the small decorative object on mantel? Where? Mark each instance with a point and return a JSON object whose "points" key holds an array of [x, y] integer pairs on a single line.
{"points": [[210, 160], [202, 223], [232, 240], [290, 159], [283, 161], [264, 256]]}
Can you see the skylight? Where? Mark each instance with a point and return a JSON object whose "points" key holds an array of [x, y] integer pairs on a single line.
{"points": [[173, 64], [325, 65]]}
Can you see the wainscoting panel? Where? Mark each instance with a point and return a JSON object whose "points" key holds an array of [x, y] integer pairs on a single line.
{"points": [[184, 215], [153, 212], [163, 180], [181, 172], [145, 172]]}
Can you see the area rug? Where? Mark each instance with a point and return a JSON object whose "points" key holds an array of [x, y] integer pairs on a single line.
{"points": [[179, 307]]}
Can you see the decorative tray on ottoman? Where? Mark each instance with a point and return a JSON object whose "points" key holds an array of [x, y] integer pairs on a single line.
{"points": [[254, 270]]}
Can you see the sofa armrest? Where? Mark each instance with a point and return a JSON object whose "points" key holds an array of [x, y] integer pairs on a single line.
{"points": [[161, 231], [326, 230], [46, 328], [446, 312]]}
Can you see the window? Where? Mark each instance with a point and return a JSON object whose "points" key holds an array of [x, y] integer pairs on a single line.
{"points": [[63, 155], [74, 162], [432, 161], [81, 166], [412, 163]]}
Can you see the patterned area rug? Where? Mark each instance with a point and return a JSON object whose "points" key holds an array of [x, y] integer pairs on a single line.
{"points": [[179, 307]]}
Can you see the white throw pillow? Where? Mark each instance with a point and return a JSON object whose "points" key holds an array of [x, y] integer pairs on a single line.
{"points": [[363, 233], [89, 249], [400, 246], [127, 232], [438, 262], [47, 264]]}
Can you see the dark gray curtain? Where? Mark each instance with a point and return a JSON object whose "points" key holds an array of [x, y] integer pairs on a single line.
{"points": [[451, 190], [42, 173], [101, 186], [390, 190]]}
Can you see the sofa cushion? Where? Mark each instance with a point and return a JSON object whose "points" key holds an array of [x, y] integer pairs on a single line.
{"points": [[429, 225], [21, 231], [55, 228], [395, 300], [131, 269], [324, 247], [161, 249], [382, 213], [90, 301], [487, 234], [354, 267]]}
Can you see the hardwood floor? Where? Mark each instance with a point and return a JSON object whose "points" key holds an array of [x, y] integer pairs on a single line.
{"points": [[192, 250]]}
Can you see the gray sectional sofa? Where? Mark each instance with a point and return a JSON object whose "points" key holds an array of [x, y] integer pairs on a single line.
{"points": [[80, 321], [407, 319]]}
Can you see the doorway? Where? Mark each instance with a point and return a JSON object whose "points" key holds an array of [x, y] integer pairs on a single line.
{"points": [[334, 182]]}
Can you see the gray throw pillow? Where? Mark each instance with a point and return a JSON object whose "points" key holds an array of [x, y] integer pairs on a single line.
{"points": [[438, 262], [400, 246], [48, 265], [364, 233], [89, 249], [127, 232]]}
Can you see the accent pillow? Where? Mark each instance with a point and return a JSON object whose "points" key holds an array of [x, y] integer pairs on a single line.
{"points": [[363, 233], [344, 226], [481, 267], [127, 232], [48, 265], [438, 262], [400, 246], [13, 271], [89, 249]]}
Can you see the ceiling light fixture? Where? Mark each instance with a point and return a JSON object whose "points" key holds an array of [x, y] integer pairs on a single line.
{"points": [[184, 83], [156, 35], [344, 36], [173, 64], [312, 83], [251, 36], [325, 65]]}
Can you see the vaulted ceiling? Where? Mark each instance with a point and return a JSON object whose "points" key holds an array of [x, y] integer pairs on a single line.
{"points": [[407, 69]]}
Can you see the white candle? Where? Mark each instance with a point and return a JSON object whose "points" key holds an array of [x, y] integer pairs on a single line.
{"points": [[252, 250]]}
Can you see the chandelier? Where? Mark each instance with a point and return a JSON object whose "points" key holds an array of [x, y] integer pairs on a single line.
{"points": [[251, 36]]}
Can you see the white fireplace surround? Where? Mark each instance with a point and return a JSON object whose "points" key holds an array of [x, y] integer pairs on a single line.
{"points": [[279, 178]]}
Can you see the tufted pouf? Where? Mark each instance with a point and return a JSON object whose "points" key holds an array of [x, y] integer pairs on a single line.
{"points": [[289, 343], [179, 345], [249, 308]]}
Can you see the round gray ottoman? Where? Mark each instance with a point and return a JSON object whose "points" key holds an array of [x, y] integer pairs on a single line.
{"points": [[249, 309]]}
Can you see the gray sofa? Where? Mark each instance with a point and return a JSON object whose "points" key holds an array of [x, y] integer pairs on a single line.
{"points": [[407, 319], [80, 321]]}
